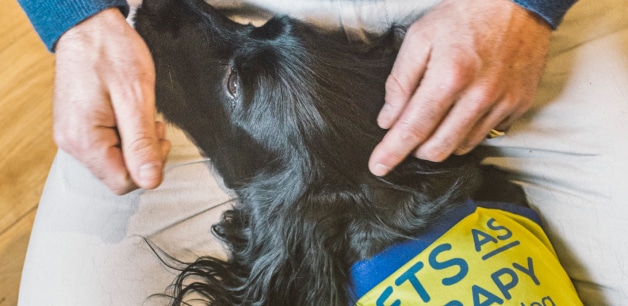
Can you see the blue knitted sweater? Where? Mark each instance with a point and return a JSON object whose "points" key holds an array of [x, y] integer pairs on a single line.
{"points": [[51, 18]]}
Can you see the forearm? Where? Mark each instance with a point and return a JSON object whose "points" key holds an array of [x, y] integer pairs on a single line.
{"points": [[52, 18], [551, 11]]}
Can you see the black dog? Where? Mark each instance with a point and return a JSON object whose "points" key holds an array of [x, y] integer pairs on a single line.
{"points": [[287, 115]]}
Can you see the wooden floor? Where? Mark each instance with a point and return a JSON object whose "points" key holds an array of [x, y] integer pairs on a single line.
{"points": [[26, 146]]}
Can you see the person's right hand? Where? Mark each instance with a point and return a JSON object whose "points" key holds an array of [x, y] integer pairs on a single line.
{"points": [[104, 103], [463, 69]]}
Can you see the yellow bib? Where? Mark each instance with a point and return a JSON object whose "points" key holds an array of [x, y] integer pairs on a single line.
{"points": [[485, 254]]}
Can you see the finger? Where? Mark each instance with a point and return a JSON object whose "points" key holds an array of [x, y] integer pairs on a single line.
{"points": [[473, 105], [91, 138], [104, 159], [404, 78], [425, 111], [160, 130], [164, 144], [479, 133], [414, 126], [115, 177], [165, 149], [136, 124], [499, 118]]}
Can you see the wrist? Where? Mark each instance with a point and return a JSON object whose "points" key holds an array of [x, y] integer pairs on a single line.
{"points": [[92, 30], [551, 11], [52, 18]]}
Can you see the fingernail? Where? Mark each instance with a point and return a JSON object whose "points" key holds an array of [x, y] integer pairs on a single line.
{"points": [[381, 169], [150, 171]]}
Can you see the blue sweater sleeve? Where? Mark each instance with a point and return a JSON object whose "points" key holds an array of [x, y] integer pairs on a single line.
{"points": [[550, 10], [52, 18]]}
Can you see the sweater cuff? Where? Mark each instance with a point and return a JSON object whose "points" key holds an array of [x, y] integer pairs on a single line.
{"points": [[52, 18], [551, 11]]}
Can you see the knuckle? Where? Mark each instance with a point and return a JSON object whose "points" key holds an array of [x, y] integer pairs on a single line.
{"points": [[411, 132], [430, 155], [395, 89], [443, 145], [416, 32], [460, 70], [435, 154], [455, 79], [480, 100], [465, 56], [143, 146], [118, 182], [69, 140], [438, 148]]}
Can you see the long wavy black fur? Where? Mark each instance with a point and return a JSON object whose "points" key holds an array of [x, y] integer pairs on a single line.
{"points": [[287, 113]]}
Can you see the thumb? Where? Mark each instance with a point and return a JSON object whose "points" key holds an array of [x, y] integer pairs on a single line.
{"points": [[141, 146]]}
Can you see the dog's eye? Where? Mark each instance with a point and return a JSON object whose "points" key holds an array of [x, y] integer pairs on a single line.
{"points": [[233, 83]]}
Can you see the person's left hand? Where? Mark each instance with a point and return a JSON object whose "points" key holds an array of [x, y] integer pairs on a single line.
{"points": [[463, 69], [104, 103]]}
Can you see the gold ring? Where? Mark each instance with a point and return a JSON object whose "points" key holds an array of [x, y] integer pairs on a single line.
{"points": [[495, 133]]}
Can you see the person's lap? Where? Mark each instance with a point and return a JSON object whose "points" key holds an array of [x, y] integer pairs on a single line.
{"points": [[89, 247]]}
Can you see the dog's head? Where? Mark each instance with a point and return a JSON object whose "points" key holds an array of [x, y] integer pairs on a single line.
{"points": [[280, 94]]}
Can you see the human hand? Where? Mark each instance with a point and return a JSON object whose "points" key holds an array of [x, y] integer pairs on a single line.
{"points": [[463, 69], [104, 103]]}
